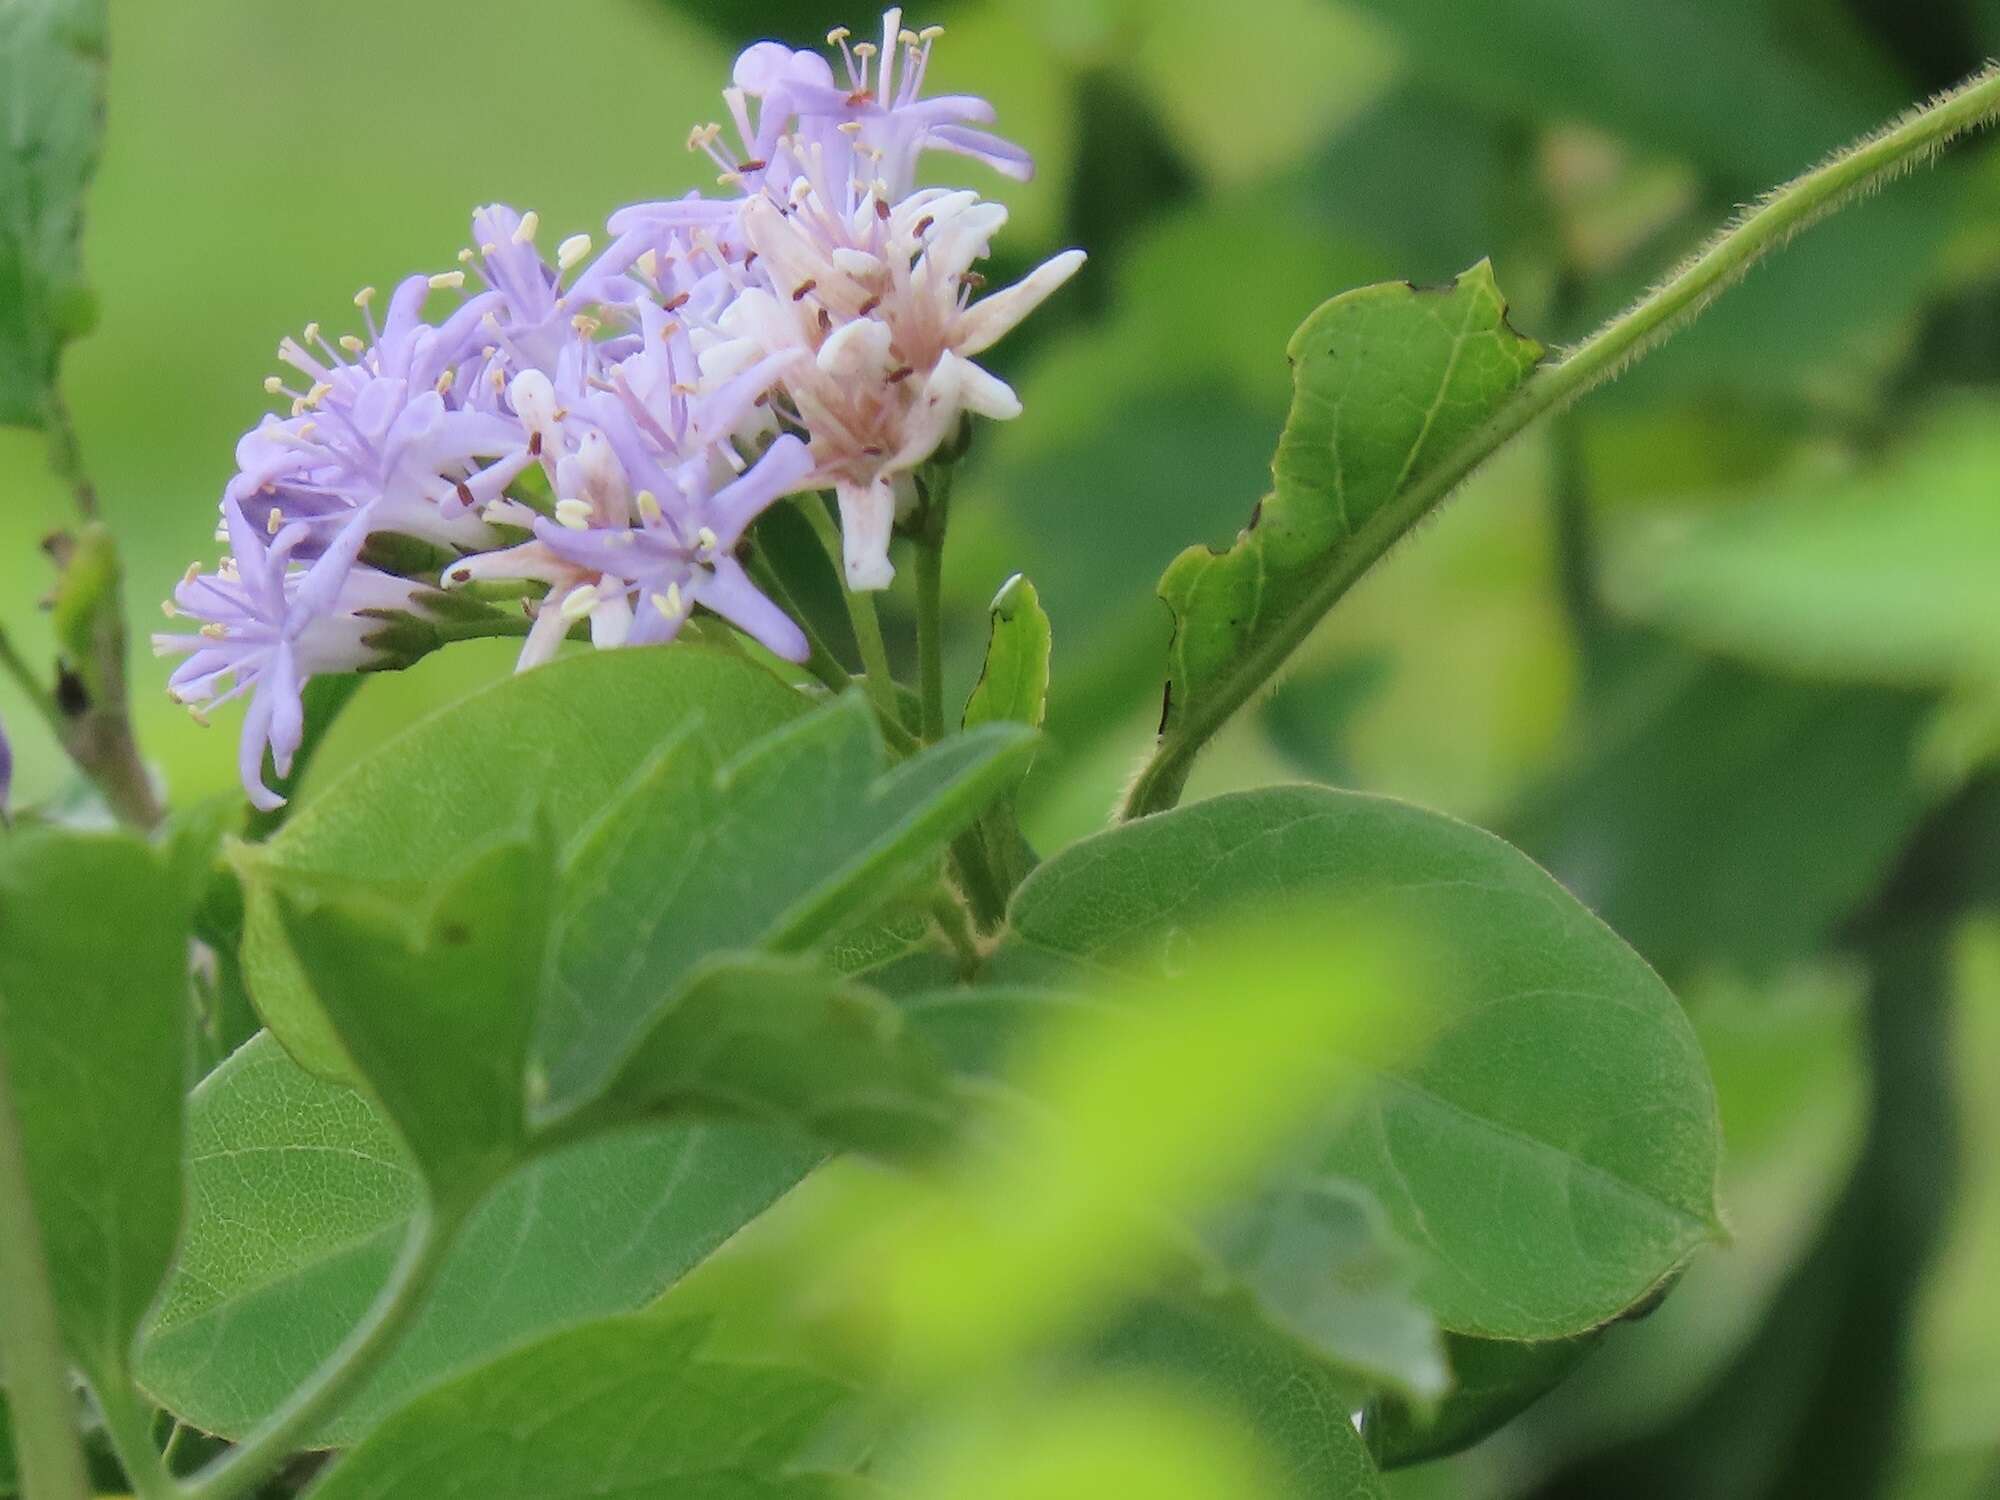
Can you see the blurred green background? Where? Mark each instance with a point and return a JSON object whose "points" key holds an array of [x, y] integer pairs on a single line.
{"points": [[1722, 647]]}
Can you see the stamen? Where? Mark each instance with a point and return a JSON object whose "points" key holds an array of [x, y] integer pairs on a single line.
{"points": [[447, 279], [274, 385], [647, 504], [351, 344], [575, 514], [580, 601], [706, 539], [365, 296], [274, 522], [572, 250], [526, 230]]}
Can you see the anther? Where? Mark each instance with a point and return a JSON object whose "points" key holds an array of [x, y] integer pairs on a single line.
{"points": [[572, 250], [452, 279], [365, 296], [575, 514], [525, 231]]}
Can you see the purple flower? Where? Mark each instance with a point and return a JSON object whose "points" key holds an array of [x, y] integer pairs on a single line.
{"points": [[382, 438], [6, 771], [267, 625]]}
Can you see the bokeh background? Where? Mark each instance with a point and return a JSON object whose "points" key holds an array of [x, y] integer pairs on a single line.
{"points": [[1722, 647]]}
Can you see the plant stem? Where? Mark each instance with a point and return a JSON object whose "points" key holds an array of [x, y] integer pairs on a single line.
{"points": [[930, 599], [951, 921], [1763, 228], [372, 1340], [36, 691], [820, 660], [878, 679], [40, 1404], [130, 1428]]}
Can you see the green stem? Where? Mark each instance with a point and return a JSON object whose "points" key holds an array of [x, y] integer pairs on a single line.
{"points": [[936, 491], [951, 921], [879, 681], [129, 1425], [820, 660], [246, 1466], [40, 1403], [36, 691], [1760, 230]]}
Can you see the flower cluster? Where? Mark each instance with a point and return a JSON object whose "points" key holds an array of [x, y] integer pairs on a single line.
{"points": [[608, 424]]}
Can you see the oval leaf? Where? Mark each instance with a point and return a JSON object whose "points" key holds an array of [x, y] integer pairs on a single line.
{"points": [[1550, 1146]]}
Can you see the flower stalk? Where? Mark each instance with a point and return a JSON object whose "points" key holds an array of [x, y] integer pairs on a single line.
{"points": [[1765, 227]]}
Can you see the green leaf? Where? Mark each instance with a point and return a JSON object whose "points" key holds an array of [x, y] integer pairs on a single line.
{"points": [[564, 739], [1316, 1259], [783, 1040], [95, 1024], [466, 989], [1388, 381], [1550, 1147], [52, 78], [301, 1197], [1013, 687], [1093, 1441], [1014, 683], [806, 829], [1882, 576], [631, 1406], [1301, 1409]]}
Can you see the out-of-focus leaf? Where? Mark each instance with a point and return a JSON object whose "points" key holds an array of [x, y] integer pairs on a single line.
{"points": [[301, 1197], [782, 1040], [462, 983], [1550, 1144], [1301, 1408], [52, 79], [1711, 815], [1884, 577], [806, 828], [94, 1021], [1741, 98], [1388, 380], [1154, 1098], [631, 1407], [564, 740], [1101, 1439]]}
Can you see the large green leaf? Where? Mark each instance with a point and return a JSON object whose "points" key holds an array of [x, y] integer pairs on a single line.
{"points": [[52, 82], [95, 1023], [301, 1196], [631, 1407], [807, 828], [561, 741], [464, 986], [1550, 1147], [1388, 382], [1883, 576]]}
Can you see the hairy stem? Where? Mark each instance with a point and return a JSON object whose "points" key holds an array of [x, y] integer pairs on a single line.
{"points": [[40, 1404], [372, 1340], [1764, 227], [879, 681]]}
